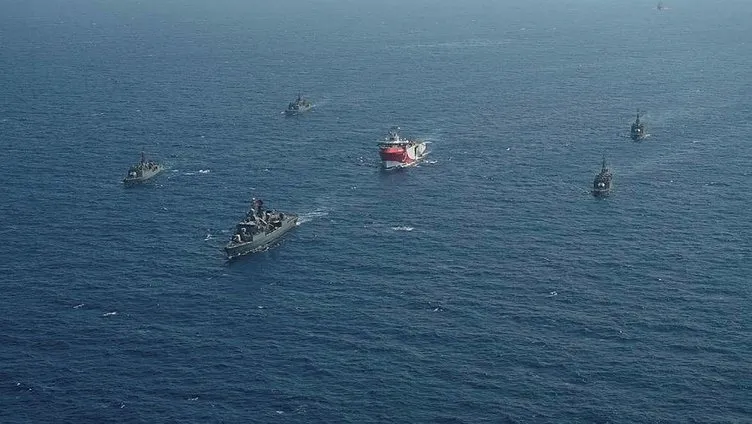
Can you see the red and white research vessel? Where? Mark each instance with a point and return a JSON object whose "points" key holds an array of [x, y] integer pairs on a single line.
{"points": [[397, 152]]}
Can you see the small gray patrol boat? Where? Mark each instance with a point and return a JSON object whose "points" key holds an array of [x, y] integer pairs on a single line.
{"points": [[258, 230], [142, 171]]}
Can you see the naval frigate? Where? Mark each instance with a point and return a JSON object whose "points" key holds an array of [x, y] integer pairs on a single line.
{"points": [[300, 105], [258, 230], [142, 171], [637, 130], [602, 182]]}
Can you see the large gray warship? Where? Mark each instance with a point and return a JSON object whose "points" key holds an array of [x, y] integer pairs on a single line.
{"points": [[258, 230], [300, 105], [142, 171], [637, 131], [602, 182]]}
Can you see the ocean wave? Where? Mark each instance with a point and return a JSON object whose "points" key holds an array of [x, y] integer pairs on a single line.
{"points": [[310, 216], [403, 228]]}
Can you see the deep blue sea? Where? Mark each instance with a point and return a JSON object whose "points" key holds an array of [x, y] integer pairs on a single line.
{"points": [[484, 286]]}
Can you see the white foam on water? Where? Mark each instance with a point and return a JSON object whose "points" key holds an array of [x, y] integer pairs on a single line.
{"points": [[79, 306], [204, 171], [310, 216], [109, 314], [403, 228]]}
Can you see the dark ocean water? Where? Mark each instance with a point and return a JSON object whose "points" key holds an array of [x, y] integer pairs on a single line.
{"points": [[485, 285]]}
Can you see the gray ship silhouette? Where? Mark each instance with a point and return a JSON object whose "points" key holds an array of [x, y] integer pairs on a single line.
{"points": [[300, 105], [142, 171], [637, 130], [259, 230], [602, 182]]}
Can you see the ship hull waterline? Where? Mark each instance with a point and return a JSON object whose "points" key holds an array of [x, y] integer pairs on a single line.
{"points": [[129, 181], [602, 192], [295, 112], [261, 241], [397, 158]]}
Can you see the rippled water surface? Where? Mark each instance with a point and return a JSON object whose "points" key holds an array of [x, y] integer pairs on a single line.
{"points": [[485, 285]]}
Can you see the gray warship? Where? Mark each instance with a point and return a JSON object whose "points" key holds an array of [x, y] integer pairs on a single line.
{"points": [[602, 182], [258, 230], [300, 105], [637, 131], [142, 171]]}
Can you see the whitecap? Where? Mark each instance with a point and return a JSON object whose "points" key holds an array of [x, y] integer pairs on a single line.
{"points": [[108, 314], [310, 216], [204, 171], [79, 305], [403, 228]]}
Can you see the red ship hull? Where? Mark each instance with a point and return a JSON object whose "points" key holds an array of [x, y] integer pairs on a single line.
{"points": [[394, 156], [398, 152], [401, 155]]}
